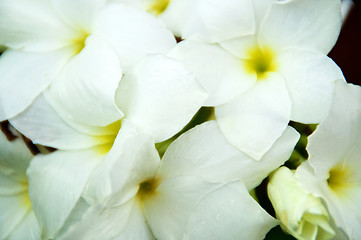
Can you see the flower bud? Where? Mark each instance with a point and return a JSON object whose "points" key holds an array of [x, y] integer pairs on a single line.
{"points": [[301, 214]]}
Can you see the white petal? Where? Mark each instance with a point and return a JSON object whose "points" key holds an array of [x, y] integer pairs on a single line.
{"points": [[344, 212], [239, 47], [160, 96], [229, 213], [28, 229], [260, 8], [56, 182], [14, 158], [307, 24], [309, 78], [32, 26], [8, 185], [12, 210], [42, 125], [84, 90], [132, 160], [178, 15], [133, 33], [172, 204], [24, 76], [216, 20], [221, 74], [79, 14], [340, 132], [203, 151], [111, 223], [255, 120]]}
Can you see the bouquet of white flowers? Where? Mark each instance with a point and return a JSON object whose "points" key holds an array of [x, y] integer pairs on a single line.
{"points": [[176, 120]]}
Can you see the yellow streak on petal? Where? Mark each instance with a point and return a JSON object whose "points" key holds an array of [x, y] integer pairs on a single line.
{"points": [[158, 6], [260, 61], [25, 197], [107, 141]]}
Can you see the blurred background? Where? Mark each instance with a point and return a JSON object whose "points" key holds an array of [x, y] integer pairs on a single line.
{"points": [[347, 51]]}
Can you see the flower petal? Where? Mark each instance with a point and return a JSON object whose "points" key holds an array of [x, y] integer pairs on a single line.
{"points": [[203, 151], [216, 21], [84, 90], [56, 182], [309, 78], [255, 120], [14, 158], [166, 208], [133, 33], [339, 134], [28, 229], [307, 24], [42, 125], [12, 211], [101, 222], [229, 213], [132, 160], [79, 14], [221, 74], [24, 76], [32, 26], [159, 96]]}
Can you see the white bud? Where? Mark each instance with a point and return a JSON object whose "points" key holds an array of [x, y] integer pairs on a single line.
{"points": [[301, 214]]}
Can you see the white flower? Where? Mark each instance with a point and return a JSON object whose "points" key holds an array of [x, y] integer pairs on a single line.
{"points": [[301, 214], [79, 48], [194, 192], [332, 170], [16, 215], [279, 72], [158, 95]]}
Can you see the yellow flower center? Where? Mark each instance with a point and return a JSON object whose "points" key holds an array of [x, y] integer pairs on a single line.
{"points": [[158, 6], [339, 180], [106, 141], [147, 188], [79, 43], [260, 61]]}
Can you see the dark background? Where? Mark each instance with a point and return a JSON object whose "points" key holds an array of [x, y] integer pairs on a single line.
{"points": [[347, 51]]}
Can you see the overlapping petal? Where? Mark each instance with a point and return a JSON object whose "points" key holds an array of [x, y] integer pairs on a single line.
{"points": [[132, 33], [221, 74], [44, 126], [24, 76], [215, 21], [204, 152], [256, 119], [310, 25], [56, 182], [84, 90], [310, 82], [22, 28], [166, 208], [229, 213], [159, 96]]}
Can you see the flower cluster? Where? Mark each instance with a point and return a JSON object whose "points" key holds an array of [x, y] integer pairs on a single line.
{"points": [[168, 119]]}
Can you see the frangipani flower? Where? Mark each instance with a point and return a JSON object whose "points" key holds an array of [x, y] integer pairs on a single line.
{"points": [[16, 215], [83, 47], [332, 170], [158, 95], [280, 72], [190, 194], [301, 214]]}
